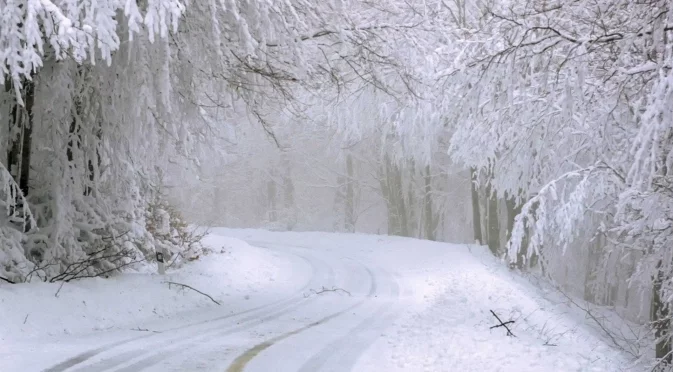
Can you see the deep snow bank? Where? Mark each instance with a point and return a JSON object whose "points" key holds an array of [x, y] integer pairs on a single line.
{"points": [[129, 300]]}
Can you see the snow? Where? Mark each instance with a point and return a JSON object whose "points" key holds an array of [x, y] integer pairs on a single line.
{"points": [[449, 292], [453, 333], [411, 305], [33, 313]]}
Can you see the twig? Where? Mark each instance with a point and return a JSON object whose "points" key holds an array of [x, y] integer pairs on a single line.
{"points": [[503, 324], [509, 332], [193, 289], [598, 322], [7, 280], [59, 289], [661, 361], [174, 260], [26, 318], [323, 290], [143, 330]]}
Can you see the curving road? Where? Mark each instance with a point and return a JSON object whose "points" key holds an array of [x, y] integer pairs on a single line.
{"points": [[295, 331]]}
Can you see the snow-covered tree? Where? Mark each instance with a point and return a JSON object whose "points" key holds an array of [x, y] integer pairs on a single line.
{"points": [[563, 109], [99, 96]]}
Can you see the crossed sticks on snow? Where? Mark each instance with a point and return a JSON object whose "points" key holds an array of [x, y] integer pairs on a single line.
{"points": [[502, 324]]}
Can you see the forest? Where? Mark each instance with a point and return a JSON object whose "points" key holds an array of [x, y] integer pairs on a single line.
{"points": [[542, 129]]}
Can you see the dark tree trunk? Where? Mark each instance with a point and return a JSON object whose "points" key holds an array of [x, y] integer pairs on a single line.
{"points": [[73, 132], [92, 175], [27, 138], [513, 210], [493, 236], [19, 146], [75, 141], [15, 130], [660, 317]]}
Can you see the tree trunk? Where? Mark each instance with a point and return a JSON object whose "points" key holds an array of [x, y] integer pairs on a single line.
{"points": [[592, 261], [493, 237], [15, 131], [393, 192], [27, 137], [534, 258], [385, 194], [288, 198], [430, 218], [19, 146], [389, 196], [476, 215], [413, 228], [21, 130], [660, 317], [271, 193], [339, 202], [513, 210], [522, 255], [349, 206], [400, 202]]}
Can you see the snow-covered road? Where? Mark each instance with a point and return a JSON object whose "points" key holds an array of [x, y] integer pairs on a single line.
{"points": [[302, 330], [341, 303]]}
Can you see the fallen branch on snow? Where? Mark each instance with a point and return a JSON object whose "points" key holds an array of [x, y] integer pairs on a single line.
{"points": [[59, 290], [193, 289], [502, 324], [143, 330], [627, 345], [7, 280], [323, 290]]}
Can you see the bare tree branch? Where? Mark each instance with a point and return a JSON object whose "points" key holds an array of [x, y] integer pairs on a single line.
{"points": [[193, 289]]}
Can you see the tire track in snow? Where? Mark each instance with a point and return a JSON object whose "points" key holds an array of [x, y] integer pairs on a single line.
{"points": [[176, 345], [243, 359], [344, 351], [157, 358], [211, 356], [85, 356], [120, 358]]}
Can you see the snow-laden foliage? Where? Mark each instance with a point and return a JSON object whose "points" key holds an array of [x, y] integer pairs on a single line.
{"points": [[81, 30], [566, 108], [559, 110], [99, 96]]}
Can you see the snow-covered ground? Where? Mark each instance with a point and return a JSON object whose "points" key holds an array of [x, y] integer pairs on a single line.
{"points": [[388, 304]]}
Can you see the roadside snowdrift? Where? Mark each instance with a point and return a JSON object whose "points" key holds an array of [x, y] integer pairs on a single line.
{"points": [[130, 300]]}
